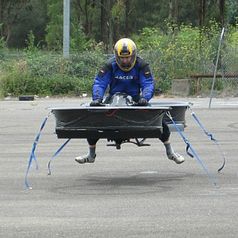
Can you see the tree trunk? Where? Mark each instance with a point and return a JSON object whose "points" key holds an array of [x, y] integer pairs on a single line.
{"points": [[104, 22], [202, 12], [173, 11], [110, 26], [1, 18], [86, 18], [8, 33], [170, 10], [176, 11], [127, 5], [222, 11]]}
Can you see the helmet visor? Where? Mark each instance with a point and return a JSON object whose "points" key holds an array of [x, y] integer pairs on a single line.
{"points": [[126, 63]]}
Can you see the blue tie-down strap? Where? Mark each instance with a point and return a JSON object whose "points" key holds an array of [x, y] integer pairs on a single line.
{"points": [[32, 154], [55, 154], [193, 153], [211, 138]]}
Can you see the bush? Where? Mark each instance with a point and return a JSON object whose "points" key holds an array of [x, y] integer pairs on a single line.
{"points": [[42, 73], [179, 51], [17, 80], [176, 52]]}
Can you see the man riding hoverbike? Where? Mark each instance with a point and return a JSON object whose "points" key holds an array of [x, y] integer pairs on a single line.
{"points": [[129, 74]]}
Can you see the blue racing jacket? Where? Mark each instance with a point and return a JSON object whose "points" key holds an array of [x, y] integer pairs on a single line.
{"points": [[138, 82]]}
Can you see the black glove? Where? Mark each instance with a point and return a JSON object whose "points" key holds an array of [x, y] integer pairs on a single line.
{"points": [[96, 103], [142, 102]]}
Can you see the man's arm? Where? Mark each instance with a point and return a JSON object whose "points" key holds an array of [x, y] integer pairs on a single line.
{"points": [[101, 82], [146, 82]]}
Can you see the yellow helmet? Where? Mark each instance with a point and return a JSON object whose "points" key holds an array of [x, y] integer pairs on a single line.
{"points": [[125, 48]]}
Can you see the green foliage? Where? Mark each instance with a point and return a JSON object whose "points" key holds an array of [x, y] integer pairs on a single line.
{"points": [[31, 17], [2, 41], [175, 52], [10, 15], [54, 38], [79, 41], [54, 28], [17, 80], [50, 74], [91, 19], [118, 10], [179, 51], [231, 48], [31, 47], [232, 11], [233, 36]]}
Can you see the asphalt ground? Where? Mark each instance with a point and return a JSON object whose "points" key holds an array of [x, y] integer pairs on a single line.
{"points": [[132, 192]]}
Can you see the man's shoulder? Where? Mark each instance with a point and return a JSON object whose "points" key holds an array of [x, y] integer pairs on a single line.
{"points": [[111, 61], [141, 62], [109, 64], [107, 67], [143, 66]]}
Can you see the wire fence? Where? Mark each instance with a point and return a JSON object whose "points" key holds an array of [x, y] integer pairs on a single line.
{"points": [[220, 76]]}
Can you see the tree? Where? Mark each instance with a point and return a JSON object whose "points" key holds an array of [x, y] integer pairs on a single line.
{"points": [[232, 11], [54, 27], [78, 25], [202, 12], [222, 11], [84, 11], [10, 11], [128, 11], [105, 20], [32, 19], [103, 29], [173, 11]]}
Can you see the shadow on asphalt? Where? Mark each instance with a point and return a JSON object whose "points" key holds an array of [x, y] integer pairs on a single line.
{"points": [[115, 184]]}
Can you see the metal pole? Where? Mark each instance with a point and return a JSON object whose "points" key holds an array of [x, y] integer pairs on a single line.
{"points": [[66, 29], [215, 70]]}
